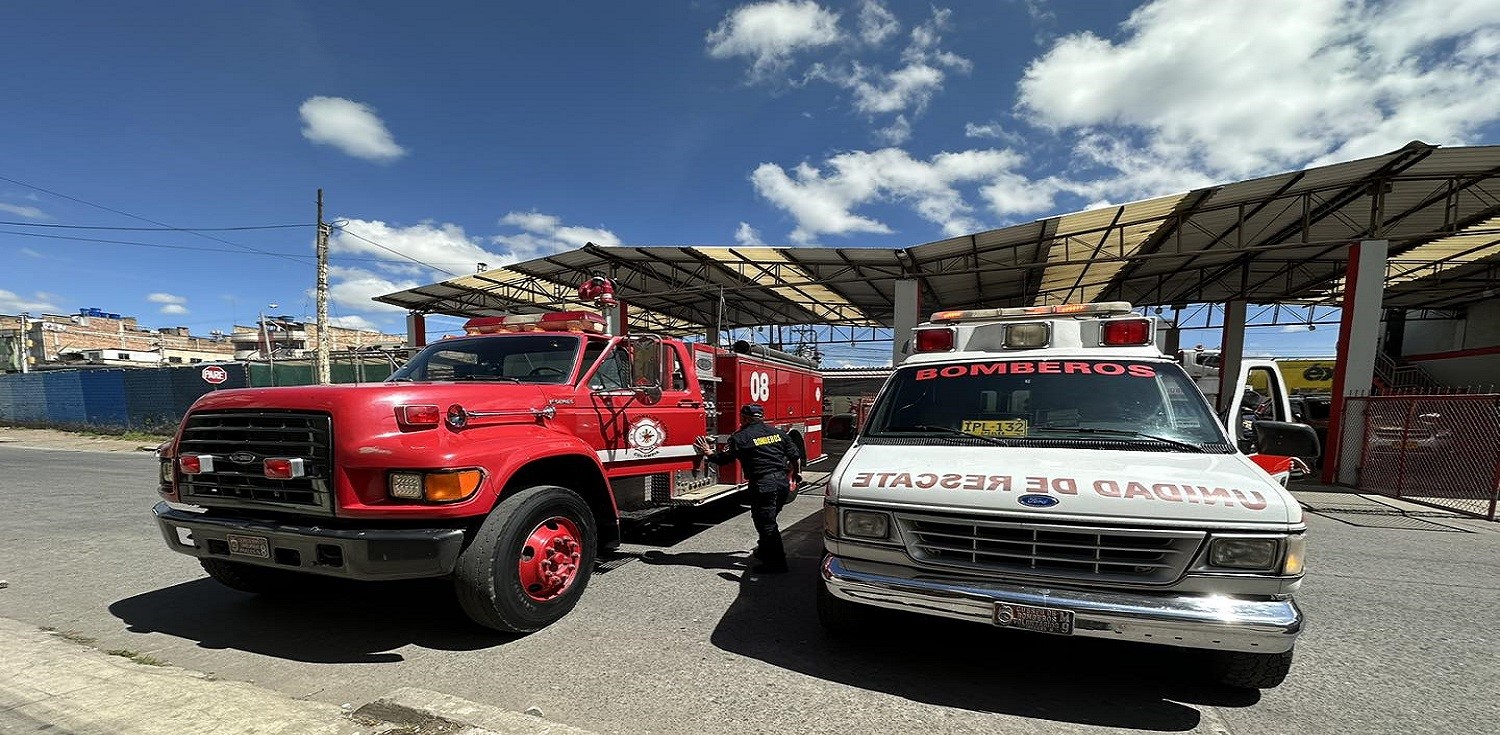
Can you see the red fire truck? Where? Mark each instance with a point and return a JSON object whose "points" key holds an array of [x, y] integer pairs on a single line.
{"points": [[503, 459]]}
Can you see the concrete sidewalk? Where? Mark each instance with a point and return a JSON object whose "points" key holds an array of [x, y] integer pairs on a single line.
{"points": [[55, 683]]}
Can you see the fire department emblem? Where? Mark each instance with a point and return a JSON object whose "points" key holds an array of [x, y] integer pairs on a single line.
{"points": [[646, 436]]}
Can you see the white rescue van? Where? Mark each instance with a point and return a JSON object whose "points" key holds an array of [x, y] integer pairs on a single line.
{"points": [[1048, 469]]}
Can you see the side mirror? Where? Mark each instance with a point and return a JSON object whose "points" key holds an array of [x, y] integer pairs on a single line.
{"points": [[1282, 439], [839, 427]]}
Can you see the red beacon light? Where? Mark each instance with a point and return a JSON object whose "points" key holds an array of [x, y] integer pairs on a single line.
{"points": [[1125, 332], [556, 321], [935, 340]]}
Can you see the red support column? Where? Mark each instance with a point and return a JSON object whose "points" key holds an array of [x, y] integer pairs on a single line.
{"points": [[1331, 453]]}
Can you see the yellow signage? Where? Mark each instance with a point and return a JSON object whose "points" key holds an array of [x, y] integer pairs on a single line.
{"points": [[1006, 427]]}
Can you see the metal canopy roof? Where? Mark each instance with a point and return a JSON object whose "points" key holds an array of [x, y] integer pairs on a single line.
{"points": [[1276, 239]]}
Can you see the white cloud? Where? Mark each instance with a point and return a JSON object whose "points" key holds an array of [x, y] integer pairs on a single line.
{"points": [[898, 132], [544, 234], [436, 247], [349, 126], [441, 250], [174, 309], [876, 23], [771, 32], [37, 303], [823, 201], [28, 252], [165, 298], [354, 322], [356, 289], [911, 86], [747, 236], [1191, 92], [21, 210]]}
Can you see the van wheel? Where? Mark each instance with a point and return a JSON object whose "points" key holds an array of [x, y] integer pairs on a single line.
{"points": [[529, 562], [840, 618], [254, 579], [1251, 670]]}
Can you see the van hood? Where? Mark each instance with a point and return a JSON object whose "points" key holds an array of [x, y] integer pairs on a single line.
{"points": [[1066, 484]]}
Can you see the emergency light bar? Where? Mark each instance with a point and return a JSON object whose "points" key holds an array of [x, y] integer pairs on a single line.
{"points": [[1103, 308], [557, 321]]}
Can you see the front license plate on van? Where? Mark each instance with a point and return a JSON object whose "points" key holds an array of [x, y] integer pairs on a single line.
{"points": [[1036, 619], [248, 546]]}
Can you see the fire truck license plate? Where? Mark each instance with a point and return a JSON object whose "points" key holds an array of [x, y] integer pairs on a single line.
{"points": [[249, 546], [1037, 619]]}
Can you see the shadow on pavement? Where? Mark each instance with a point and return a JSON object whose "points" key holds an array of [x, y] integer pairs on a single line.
{"points": [[965, 665], [336, 621]]}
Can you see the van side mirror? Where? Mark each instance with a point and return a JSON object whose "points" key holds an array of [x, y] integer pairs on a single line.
{"points": [[839, 427], [1282, 439]]}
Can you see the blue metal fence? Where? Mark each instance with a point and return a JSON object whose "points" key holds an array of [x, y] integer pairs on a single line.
{"points": [[144, 399]]}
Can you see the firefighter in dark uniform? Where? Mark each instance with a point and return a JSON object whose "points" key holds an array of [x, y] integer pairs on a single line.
{"points": [[771, 463]]}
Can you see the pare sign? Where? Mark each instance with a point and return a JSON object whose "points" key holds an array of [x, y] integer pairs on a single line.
{"points": [[214, 375]]}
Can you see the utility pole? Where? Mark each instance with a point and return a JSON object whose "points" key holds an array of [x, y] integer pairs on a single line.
{"points": [[325, 371]]}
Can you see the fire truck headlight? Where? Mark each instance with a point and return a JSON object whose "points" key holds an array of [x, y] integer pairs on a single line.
{"points": [[866, 524], [166, 472], [1244, 553], [1296, 555], [406, 485]]}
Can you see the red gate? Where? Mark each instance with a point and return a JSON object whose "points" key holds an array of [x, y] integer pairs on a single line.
{"points": [[1441, 450]]}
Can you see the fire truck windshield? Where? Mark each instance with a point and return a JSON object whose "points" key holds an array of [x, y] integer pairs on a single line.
{"points": [[1022, 401], [530, 358]]}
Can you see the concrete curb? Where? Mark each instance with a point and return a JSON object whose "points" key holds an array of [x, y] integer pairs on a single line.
{"points": [[56, 682], [413, 707]]}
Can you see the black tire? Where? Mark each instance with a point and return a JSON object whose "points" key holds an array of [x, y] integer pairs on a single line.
{"points": [[1251, 670], [487, 578], [255, 579], [840, 618]]}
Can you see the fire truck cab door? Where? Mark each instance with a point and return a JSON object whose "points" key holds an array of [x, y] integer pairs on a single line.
{"points": [[638, 410]]}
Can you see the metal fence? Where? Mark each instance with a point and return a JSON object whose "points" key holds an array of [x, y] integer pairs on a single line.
{"points": [[1441, 450], [152, 399]]}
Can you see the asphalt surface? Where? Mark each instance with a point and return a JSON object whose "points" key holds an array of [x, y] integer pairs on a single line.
{"points": [[674, 637]]}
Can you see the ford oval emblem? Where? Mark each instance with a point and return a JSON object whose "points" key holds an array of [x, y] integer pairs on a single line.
{"points": [[1037, 501], [242, 458]]}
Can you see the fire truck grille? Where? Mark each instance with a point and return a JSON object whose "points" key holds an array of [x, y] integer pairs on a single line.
{"points": [[1121, 555], [240, 441]]}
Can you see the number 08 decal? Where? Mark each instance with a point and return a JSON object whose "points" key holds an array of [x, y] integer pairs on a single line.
{"points": [[760, 386]]}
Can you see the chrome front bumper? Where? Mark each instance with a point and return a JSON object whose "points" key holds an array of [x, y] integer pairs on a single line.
{"points": [[1191, 621]]}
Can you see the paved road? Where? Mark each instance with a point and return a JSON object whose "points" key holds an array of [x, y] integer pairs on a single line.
{"points": [[675, 638]]}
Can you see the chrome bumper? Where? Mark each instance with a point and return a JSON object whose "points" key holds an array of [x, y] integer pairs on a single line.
{"points": [[1191, 621]]}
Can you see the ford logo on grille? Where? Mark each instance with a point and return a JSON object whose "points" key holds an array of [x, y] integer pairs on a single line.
{"points": [[1037, 501], [242, 458]]}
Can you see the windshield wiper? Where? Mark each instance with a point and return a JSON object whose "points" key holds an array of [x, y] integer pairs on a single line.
{"points": [[949, 430], [402, 379], [506, 378], [1123, 433]]}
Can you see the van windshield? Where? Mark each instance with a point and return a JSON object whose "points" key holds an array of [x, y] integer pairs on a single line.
{"points": [[503, 358], [1015, 402]]}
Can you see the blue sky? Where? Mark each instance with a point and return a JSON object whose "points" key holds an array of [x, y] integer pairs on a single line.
{"points": [[495, 131]]}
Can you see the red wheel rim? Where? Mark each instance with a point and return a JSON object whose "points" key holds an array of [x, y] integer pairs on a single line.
{"points": [[550, 559]]}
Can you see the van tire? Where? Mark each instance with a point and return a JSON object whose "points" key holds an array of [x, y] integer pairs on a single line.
{"points": [[1251, 670], [488, 578]]}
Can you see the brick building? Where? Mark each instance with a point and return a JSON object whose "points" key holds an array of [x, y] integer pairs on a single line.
{"points": [[94, 337], [288, 338]]}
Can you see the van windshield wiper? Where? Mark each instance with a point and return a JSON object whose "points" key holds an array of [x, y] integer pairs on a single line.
{"points": [[950, 431], [1122, 433]]}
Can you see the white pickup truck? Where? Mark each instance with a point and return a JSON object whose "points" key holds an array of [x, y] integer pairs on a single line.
{"points": [[1049, 469]]}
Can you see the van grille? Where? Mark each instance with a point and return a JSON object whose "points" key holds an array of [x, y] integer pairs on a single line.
{"points": [[1123, 555], [256, 435]]}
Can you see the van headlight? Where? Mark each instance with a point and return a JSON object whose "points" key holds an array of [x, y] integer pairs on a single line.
{"points": [[867, 524], [1244, 553]]}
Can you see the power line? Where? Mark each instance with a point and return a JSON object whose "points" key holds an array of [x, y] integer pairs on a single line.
{"points": [[138, 243], [156, 229], [344, 229], [138, 217]]}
